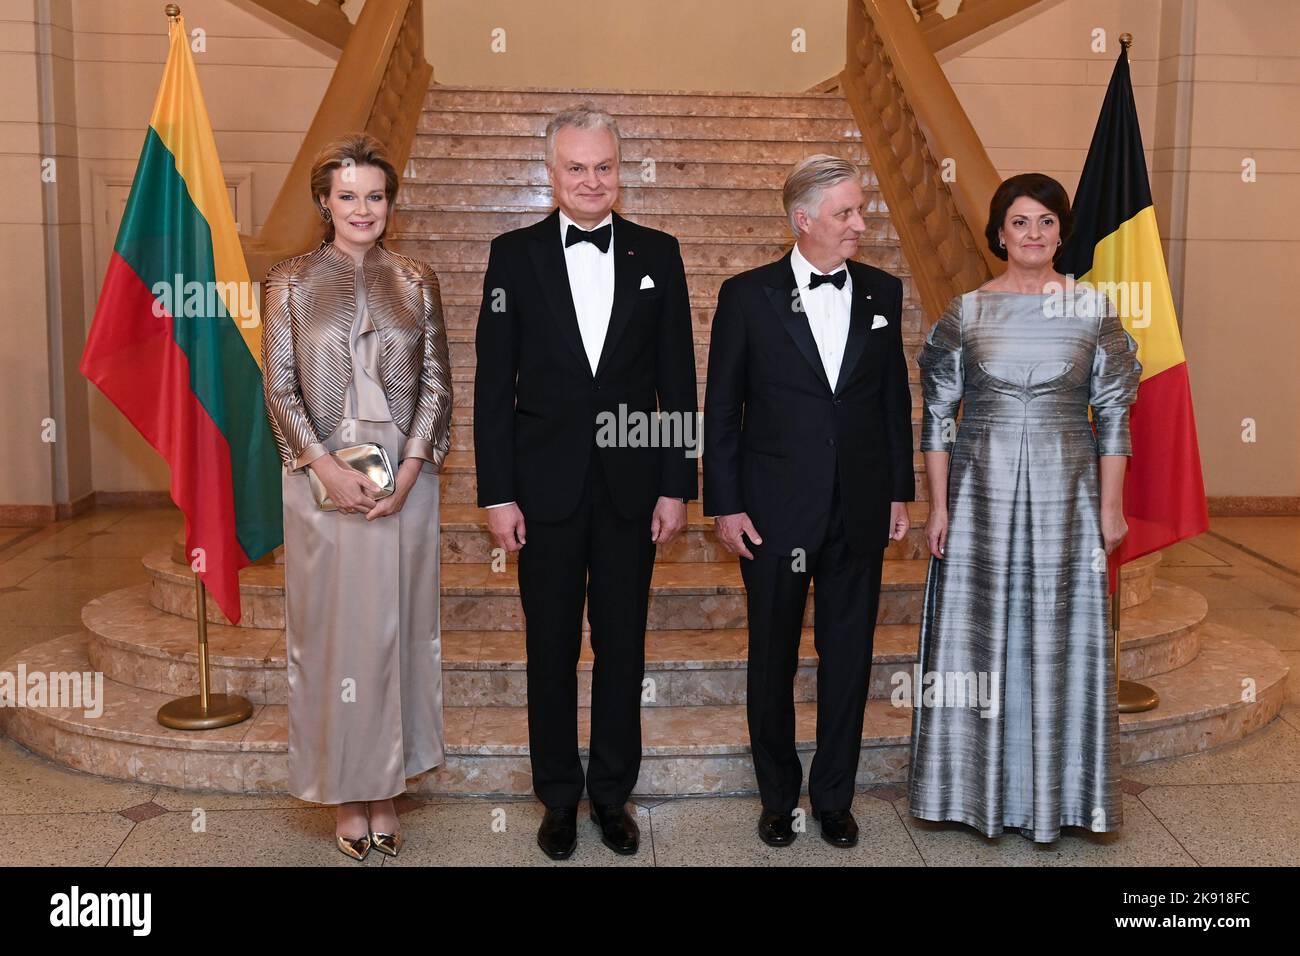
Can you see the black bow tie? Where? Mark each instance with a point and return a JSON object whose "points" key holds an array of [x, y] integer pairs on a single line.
{"points": [[814, 280], [598, 237]]}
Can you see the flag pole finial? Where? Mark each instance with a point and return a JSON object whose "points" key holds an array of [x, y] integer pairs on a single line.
{"points": [[172, 11], [1126, 40]]}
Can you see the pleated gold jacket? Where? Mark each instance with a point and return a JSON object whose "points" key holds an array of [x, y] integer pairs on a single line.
{"points": [[308, 307]]}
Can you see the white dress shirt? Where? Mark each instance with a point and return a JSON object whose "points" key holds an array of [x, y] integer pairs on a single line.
{"points": [[591, 282], [828, 311]]}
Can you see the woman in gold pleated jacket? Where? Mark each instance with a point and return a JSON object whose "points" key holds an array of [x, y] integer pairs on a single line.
{"points": [[354, 351]]}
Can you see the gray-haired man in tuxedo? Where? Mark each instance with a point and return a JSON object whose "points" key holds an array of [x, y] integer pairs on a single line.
{"points": [[584, 314], [807, 468]]}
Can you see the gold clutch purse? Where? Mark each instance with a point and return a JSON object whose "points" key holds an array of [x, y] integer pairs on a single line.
{"points": [[369, 459]]}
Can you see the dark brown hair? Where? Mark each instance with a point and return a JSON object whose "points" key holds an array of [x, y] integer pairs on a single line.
{"points": [[1036, 186], [355, 149]]}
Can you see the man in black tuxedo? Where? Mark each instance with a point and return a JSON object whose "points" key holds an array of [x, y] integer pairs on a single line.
{"points": [[585, 320], [807, 465]]}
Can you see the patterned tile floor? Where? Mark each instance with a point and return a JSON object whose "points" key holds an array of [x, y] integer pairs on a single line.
{"points": [[1239, 805]]}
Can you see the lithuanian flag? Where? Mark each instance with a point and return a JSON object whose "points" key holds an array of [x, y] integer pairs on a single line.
{"points": [[1115, 240], [176, 339]]}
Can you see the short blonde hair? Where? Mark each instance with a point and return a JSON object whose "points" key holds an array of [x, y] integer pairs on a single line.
{"points": [[353, 149], [582, 116], [810, 177]]}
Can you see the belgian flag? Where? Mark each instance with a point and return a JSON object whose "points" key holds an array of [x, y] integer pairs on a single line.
{"points": [[1115, 240], [175, 342]]}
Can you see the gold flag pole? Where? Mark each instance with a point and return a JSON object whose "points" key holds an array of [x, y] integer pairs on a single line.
{"points": [[1131, 697], [204, 711]]}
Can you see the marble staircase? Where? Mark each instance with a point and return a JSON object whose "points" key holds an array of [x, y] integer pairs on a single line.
{"points": [[142, 640], [707, 168]]}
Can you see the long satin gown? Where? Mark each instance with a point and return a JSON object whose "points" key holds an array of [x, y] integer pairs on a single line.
{"points": [[361, 616], [1019, 600]]}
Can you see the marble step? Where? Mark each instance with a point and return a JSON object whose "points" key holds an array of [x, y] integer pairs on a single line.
{"points": [[663, 149], [505, 99], [460, 313], [462, 427], [692, 595], [135, 644], [464, 360], [687, 750], [465, 282], [1162, 632], [738, 255], [464, 368], [738, 129], [459, 481], [459, 279], [464, 537], [462, 440], [462, 412], [460, 459], [462, 486], [683, 595], [462, 353], [453, 221], [650, 171], [634, 199]]}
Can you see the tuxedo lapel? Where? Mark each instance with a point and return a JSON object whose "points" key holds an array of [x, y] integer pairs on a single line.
{"points": [[627, 282], [782, 291], [547, 253], [860, 313]]}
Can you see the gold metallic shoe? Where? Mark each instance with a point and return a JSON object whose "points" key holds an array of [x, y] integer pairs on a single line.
{"points": [[355, 848], [390, 843]]}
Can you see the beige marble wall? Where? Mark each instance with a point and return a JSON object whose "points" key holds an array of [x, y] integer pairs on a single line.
{"points": [[1242, 241], [262, 81], [35, 467], [660, 45]]}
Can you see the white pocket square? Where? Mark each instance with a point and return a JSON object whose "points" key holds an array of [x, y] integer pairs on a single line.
{"points": [[647, 282], [878, 322]]}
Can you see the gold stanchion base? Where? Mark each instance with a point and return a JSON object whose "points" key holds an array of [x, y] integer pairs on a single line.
{"points": [[1134, 698], [185, 713]]}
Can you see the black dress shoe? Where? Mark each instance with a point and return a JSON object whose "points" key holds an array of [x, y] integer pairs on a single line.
{"points": [[558, 834], [618, 830], [838, 827], [776, 829]]}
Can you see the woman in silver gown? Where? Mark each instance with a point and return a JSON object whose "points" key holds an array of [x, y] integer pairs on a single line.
{"points": [[1014, 714], [354, 351]]}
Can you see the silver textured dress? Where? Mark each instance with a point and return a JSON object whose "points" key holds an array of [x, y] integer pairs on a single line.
{"points": [[361, 616], [1014, 717]]}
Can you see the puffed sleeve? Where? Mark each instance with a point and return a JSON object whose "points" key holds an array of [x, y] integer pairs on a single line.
{"points": [[296, 438], [1115, 375], [430, 434], [941, 379]]}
